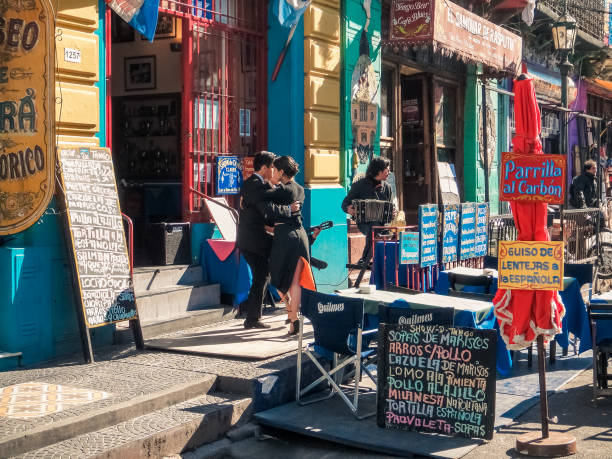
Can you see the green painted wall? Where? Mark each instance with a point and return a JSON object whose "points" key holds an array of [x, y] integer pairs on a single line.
{"points": [[354, 21]]}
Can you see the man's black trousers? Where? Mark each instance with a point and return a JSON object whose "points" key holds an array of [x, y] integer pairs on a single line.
{"points": [[261, 276]]}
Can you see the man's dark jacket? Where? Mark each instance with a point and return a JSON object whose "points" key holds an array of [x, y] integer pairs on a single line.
{"points": [[583, 191], [252, 236], [367, 188]]}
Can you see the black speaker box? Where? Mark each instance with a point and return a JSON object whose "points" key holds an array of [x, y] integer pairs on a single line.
{"points": [[169, 244]]}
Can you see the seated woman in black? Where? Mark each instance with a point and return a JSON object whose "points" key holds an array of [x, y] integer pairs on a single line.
{"points": [[290, 246]]}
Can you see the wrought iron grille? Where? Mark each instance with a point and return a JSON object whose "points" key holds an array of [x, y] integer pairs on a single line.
{"points": [[579, 234], [501, 228], [589, 14]]}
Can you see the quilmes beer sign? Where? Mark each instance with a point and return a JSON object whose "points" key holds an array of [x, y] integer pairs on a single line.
{"points": [[27, 134]]}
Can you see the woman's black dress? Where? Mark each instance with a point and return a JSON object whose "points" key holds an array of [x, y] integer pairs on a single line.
{"points": [[290, 239]]}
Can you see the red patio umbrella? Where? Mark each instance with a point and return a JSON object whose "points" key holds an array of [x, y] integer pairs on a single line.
{"points": [[525, 314]]}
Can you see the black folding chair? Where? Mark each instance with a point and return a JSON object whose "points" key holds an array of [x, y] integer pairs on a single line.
{"points": [[336, 321], [602, 348], [468, 280], [404, 313]]}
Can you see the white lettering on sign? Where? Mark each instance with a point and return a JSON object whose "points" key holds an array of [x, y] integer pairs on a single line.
{"points": [[72, 55]]}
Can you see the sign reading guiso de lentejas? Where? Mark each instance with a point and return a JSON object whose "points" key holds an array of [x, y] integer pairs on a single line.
{"points": [[27, 138]]}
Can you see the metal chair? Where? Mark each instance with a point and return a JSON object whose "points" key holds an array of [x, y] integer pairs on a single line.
{"points": [[602, 347], [467, 280], [336, 321]]}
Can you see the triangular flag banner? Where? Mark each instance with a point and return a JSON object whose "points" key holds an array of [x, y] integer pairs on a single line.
{"points": [[140, 14], [289, 12]]}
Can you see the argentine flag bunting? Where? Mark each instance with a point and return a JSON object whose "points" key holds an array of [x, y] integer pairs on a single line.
{"points": [[289, 12], [140, 14]]}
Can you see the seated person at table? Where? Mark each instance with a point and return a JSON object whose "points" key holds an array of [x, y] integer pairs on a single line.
{"points": [[372, 186], [253, 240], [290, 246]]}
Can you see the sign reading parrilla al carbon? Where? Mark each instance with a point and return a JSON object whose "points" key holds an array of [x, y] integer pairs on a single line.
{"points": [[27, 116], [536, 178]]}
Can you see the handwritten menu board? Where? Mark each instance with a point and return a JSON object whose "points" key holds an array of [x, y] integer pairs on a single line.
{"points": [[482, 229], [409, 248], [450, 233], [467, 247], [437, 379], [428, 229], [96, 233], [535, 178]]}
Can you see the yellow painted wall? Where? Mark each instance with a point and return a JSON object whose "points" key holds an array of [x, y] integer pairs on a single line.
{"points": [[77, 111], [322, 92]]}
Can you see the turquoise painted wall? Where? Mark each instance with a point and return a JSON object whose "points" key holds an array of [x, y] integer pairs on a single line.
{"points": [[286, 93], [354, 21]]}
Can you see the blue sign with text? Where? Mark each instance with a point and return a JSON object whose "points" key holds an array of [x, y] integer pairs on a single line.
{"points": [[468, 231], [482, 225], [409, 248], [450, 233], [229, 175], [428, 229]]}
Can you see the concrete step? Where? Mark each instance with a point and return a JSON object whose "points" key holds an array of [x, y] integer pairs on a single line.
{"points": [[210, 315], [171, 302], [169, 431], [157, 277], [63, 429]]}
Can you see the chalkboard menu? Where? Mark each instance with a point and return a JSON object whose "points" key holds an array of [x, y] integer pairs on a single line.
{"points": [[467, 248], [437, 379], [97, 236], [450, 233], [428, 229]]}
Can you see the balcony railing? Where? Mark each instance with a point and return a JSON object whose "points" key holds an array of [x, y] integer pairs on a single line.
{"points": [[589, 14]]}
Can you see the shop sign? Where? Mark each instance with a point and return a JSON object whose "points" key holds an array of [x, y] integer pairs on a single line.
{"points": [[248, 167], [526, 265], [548, 87], [450, 233], [456, 29], [467, 248], [27, 120], [428, 229], [482, 229], [409, 248], [229, 175], [535, 178]]}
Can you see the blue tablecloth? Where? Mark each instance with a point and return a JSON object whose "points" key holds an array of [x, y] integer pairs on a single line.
{"points": [[576, 318], [604, 327], [383, 268], [233, 275]]}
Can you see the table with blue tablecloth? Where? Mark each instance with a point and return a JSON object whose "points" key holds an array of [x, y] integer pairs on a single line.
{"points": [[232, 273], [468, 313], [384, 269], [576, 320], [604, 327]]}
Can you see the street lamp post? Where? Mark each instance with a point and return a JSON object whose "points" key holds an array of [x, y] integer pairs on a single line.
{"points": [[564, 36]]}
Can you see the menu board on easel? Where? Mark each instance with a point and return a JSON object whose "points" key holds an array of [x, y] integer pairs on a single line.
{"points": [[101, 261]]}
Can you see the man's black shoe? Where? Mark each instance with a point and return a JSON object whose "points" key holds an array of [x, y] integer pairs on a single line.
{"points": [[258, 324], [316, 263]]}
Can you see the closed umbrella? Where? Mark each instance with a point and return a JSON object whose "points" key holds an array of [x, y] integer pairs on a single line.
{"points": [[525, 314]]}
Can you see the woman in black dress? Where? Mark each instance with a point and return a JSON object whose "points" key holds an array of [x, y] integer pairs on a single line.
{"points": [[290, 240]]}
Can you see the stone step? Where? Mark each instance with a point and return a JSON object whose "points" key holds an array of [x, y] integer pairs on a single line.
{"points": [[169, 431], [157, 277], [171, 302], [210, 315], [61, 430]]}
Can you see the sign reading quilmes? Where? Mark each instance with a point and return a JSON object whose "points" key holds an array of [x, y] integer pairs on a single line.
{"points": [[97, 235], [428, 229], [482, 227], [437, 379], [536, 178], [409, 248], [229, 175], [450, 233], [27, 116], [530, 265], [467, 246]]}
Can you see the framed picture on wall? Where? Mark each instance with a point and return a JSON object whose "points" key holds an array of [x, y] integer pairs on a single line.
{"points": [[140, 73], [121, 31], [166, 27]]}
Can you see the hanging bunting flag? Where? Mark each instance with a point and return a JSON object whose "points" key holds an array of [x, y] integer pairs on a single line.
{"points": [[289, 12], [140, 14]]}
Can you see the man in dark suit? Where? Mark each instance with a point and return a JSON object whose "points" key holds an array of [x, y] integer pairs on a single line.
{"points": [[254, 241]]}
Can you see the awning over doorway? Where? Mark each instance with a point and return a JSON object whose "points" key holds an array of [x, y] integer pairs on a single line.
{"points": [[547, 84], [601, 88], [454, 30]]}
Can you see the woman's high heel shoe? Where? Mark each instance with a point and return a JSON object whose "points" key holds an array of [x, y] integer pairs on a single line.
{"points": [[295, 328]]}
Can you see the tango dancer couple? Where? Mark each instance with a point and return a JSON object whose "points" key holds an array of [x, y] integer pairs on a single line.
{"points": [[271, 236]]}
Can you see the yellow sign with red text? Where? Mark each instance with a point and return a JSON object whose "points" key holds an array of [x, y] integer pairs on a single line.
{"points": [[526, 265], [27, 118]]}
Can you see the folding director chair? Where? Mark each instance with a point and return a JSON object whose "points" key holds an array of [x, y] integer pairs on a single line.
{"points": [[336, 322], [600, 316], [404, 313]]}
